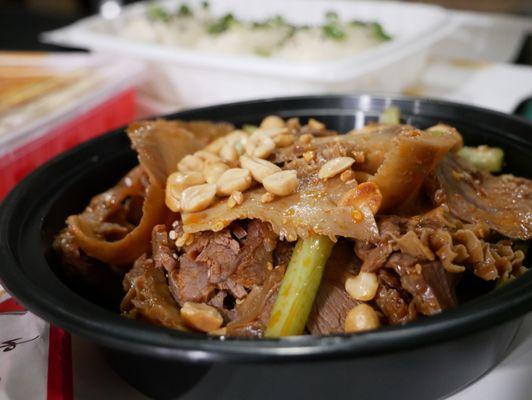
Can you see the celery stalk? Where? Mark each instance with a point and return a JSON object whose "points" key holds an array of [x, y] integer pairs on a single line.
{"points": [[299, 286], [392, 115]]}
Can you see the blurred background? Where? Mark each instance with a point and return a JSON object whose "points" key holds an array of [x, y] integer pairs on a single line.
{"points": [[73, 69]]}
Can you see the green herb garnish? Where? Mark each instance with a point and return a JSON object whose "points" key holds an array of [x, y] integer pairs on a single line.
{"points": [[184, 11], [157, 13], [333, 31], [378, 31], [221, 25], [205, 5]]}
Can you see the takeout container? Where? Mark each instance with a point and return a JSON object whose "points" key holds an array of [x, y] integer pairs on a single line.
{"points": [[102, 99], [191, 78], [426, 359]]}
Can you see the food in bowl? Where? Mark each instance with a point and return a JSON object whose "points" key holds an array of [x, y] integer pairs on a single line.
{"points": [[197, 28], [288, 228]]}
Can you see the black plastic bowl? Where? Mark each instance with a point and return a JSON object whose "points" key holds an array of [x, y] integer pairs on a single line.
{"points": [[426, 359]]}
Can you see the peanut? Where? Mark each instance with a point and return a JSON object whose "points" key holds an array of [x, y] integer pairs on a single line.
{"points": [[234, 179], [212, 172], [335, 166], [363, 286], [361, 318], [197, 198], [272, 121], [258, 167], [190, 163], [281, 183], [201, 317], [259, 145]]}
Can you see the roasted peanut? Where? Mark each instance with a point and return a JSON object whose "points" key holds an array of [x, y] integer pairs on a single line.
{"points": [[197, 198], [258, 167], [281, 183], [228, 153], [272, 121], [207, 156], [259, 145], [176, 183], [234, 179], [347, 176], [363, 286], [335, 166], [315, 125], [361, 318], [201, 317], [190, 163], [306, 138], [267, 197], [284, 140], [235, 199], [213, 171]]}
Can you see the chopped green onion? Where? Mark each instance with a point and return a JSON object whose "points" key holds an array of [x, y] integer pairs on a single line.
{"points": [[299, 287], [392, 115], [222, 24], [158, 13], [379, 32], [333, 31], [484, 158], [184, 11]]}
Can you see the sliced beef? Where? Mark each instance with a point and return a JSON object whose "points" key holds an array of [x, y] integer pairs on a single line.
{"points": [[162, 249], [426, 281], [332, 301], [251, 316], [392, 300], [504, 202], [218, 260], [149, 298], [220, 253], [256, 254], [193, 281]]}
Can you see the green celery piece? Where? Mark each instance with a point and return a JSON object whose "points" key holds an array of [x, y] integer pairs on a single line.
{"points": [[484, 158], [299, 286], [392, 115]]}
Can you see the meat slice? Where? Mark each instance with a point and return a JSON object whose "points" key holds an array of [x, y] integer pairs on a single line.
{"points": [[220, 253], [162, 252], [427, 282], [216, 260], [391, 299], [160, 144], [193, 281], [252, 315], [332, 301], [256, 254], [504, 202], [149, 298]]}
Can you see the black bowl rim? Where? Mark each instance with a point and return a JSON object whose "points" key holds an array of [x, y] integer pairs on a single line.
{"points": [[108, 329]]}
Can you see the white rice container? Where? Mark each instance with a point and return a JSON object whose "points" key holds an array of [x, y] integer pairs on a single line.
{"points": [[189, 78]]}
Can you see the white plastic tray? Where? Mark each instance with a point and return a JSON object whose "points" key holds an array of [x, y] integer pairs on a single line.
{"points": [[190, 78]]}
